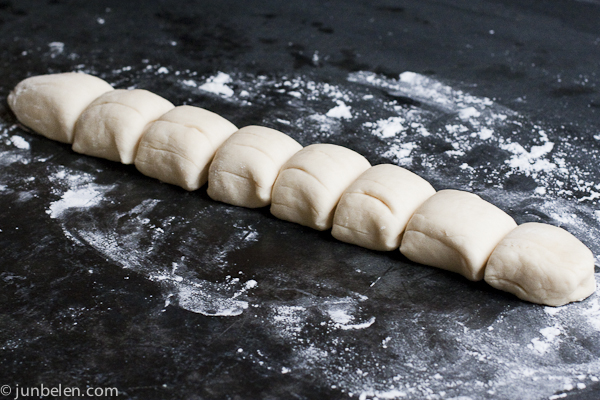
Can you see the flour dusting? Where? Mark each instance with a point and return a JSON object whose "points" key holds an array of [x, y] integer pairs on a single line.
{"points": [[468, 123], [413, 351], [340, 111], [135, 241], [19, 142], [550, 335], [217, 85], [56, 48], [87, 196], [217, 299]]}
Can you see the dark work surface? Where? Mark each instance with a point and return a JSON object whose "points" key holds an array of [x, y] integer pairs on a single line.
{"points": [[113, 279]]}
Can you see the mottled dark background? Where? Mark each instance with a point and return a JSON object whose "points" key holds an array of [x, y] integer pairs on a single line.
{"points": [[80, 304]]}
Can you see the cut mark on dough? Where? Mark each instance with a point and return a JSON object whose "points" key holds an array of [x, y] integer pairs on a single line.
{"points": [[258, 149], [138, 112], [363, 193], [117, 103], [222, 171], [314, 210], [170, 151], [367, 234], [447, 249], [305, 172]]}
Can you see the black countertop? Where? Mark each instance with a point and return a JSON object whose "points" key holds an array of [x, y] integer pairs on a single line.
{"points": [[110, 279]]}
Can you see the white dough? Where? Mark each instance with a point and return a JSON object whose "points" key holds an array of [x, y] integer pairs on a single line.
{"points": [[310, 184], [246, 166], [321, 186], [456, 231], [111, 127], [374, 210], [542, 264], [51, 104], [179, 146]]}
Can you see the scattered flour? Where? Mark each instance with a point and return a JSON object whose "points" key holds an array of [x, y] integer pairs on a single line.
{"points": [[340, 111], [529, 161], [200, 297], [542, 346], [56, 48], [125, 243], [469, 123], [391, 127], [592, 313], [218, 85], [19, 142], [87, 196], [467, 113], [218, 299], [417, 122], [342, 313], [553, 310], [18, 149]]}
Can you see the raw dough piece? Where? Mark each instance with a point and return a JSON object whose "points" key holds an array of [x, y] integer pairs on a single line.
{"points": [[374, 210], [456, 231], [51, 104], [310, 184], [180, 145], [111, 127], [542, 264], [245, 167]]}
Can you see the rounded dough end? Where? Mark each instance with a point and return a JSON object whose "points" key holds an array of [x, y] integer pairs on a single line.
{"points": [[311, 183], [179, 146], [542, 264], [375, 209], [112, 125], [456, 231], [51, 104]]}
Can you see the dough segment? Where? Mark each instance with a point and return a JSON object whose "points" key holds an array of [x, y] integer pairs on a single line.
{"points": [[456, 231], [374, 210], [310, 184], [542, 264], [51, 104], [246, 166], [112, 125], [179, 146]]}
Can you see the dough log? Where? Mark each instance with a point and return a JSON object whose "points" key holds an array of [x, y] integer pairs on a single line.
{"points": [[321, 186], [246, 166], [179, 146]]}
